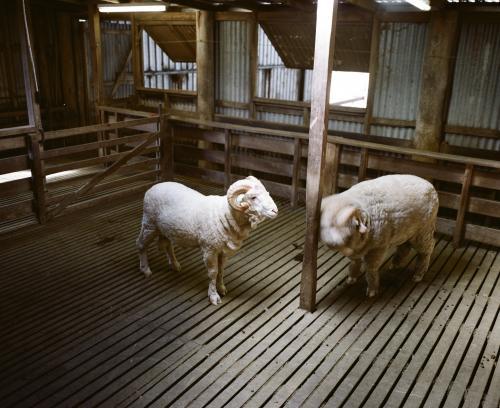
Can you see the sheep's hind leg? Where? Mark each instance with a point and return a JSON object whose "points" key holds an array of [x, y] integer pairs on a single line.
{"points": [[211, 262], [145, 237], [424, 245], [221, 288], [165, 245]]}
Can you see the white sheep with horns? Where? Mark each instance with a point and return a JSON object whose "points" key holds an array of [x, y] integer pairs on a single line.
{"points": [[218, 225]]}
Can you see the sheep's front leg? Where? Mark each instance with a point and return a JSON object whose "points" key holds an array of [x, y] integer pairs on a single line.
{"points": [[354, 271], [221, 288], [143, 240], [165, 245], [373, 261], [211, 262]]}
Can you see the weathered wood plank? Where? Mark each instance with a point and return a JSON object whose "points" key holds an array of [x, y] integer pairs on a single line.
{"points": [[99, 177], [326, 21], [462, 207]]}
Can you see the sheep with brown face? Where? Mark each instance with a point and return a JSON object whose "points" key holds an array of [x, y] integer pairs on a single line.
{"points": [[218, 225], [364, 222]]}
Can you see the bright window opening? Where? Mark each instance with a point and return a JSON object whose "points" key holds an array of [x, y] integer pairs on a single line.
{"points": [[349, 89]]}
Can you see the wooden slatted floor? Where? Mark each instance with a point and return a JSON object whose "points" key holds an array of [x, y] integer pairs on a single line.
{"points": [[80, 326]]}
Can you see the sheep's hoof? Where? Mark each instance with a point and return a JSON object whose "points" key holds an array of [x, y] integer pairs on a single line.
{"points": [[371, 293], [215, 299], [147, 272], [418, 277], [351, 280], [176, 266], [222, 290]]}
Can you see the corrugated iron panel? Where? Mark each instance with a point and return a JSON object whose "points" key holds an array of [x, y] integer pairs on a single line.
{"points": [[473, 142], [163, 73], [267, 54], [400, 60], [345, 126], [274, 80], [177, 41], [116, 40], [475, 98], [280, 118], [393, 132], [233, 112], [183, 105], [278, 83], [232, 61]]}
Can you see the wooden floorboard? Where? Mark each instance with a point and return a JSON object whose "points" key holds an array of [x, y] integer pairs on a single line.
{"points": [[82, 327]]}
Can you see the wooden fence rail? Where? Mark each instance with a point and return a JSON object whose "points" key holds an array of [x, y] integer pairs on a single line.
{"points": [[162, 146]]}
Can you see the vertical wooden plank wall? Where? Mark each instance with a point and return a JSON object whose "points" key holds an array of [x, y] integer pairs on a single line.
{"points": [[31, 85], [326, 18]]}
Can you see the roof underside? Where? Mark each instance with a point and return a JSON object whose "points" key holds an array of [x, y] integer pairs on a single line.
{"points": [[177, 41], [293, 37]]}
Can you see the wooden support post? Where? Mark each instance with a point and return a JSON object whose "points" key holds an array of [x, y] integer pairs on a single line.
{"points": [[95, 46], [329, 168], [31, 85], [363, 163], [253, 37], [205, 63], [374, 51], [228, 143], [458, 233], [33, 142], [336, 164], [137, 65], [166, 149], [436, 79], [297, 156], [323, 62]]}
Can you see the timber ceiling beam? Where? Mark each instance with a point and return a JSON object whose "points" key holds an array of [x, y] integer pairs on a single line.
{"points": [[369, 5]]}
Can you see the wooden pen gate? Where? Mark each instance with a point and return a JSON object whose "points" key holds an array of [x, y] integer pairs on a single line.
{"points": [[97, 164]]}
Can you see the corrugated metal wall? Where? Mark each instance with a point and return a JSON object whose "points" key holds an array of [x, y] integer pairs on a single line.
{"points": [[397, 85], [274, 80], [116, 44], [232, 65], [475, 98], [161, 72]]}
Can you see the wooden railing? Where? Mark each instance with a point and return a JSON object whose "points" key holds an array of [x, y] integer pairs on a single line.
{"points": [[78, 174], [468, 186], [164, 145]]}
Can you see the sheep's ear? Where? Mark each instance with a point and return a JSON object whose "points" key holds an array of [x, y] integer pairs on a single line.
{"points": [[359, 219], [345, 214]]}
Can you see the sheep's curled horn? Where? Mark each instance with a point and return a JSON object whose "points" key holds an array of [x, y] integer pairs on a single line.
{"points": [[237, 188]]}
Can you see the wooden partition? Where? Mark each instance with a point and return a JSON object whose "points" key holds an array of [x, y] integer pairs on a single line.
{"points": [[80, 167], [469, 189]]}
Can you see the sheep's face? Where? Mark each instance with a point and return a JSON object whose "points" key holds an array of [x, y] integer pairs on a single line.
{"points": [[343, 228], [251, 197], [260, 202]]}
